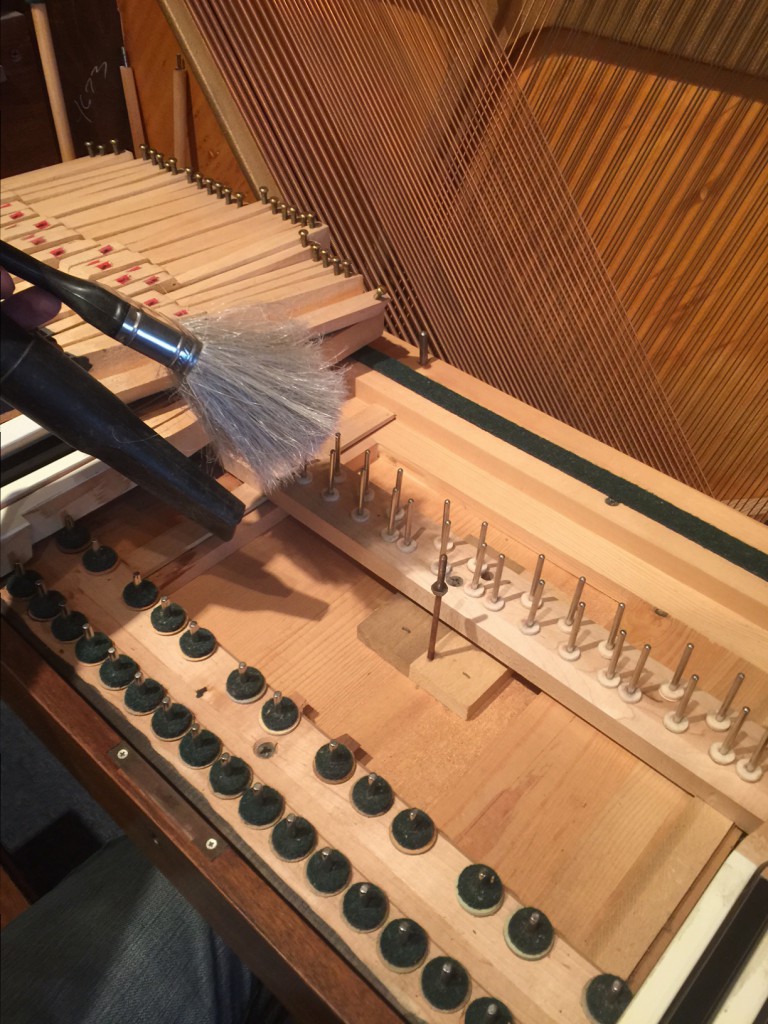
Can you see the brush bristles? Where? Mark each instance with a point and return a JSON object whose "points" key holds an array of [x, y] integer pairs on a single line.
{"points": [[263, 390]]}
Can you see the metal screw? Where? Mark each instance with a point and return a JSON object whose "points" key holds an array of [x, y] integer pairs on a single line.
{"points": [[211, 844], [265, 749], [122, 754]]}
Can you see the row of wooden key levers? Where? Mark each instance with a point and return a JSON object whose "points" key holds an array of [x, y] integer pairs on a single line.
{"points": [[337, 836], [661, 714], [160, 240]]}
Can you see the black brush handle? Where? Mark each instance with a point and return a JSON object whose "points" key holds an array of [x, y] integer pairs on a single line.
{"points": [[101, 308], [41, 381]]}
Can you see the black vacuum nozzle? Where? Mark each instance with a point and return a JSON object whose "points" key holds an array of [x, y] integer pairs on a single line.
{"points": [[41, 381]]}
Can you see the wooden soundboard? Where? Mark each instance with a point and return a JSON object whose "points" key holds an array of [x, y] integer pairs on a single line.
{"points": [[585, 805]]}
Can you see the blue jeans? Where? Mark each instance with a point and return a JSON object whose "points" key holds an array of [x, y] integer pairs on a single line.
{"points": [[115, 943]]}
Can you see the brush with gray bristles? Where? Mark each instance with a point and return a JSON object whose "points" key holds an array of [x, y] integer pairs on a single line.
{"points": [[262, 389], [261, 386]]}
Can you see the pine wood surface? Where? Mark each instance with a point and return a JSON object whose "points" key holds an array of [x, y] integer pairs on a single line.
{"points": [[683, 758], [284, 578]]}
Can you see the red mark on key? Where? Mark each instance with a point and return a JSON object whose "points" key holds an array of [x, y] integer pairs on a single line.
{"points": [[58, 252], [181, 312], [15, 215], [152, 279], [42, 224], [151, 302], [105, 249], [123, 279]]}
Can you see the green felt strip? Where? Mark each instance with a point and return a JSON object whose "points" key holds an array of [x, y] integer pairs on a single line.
{"points": [[623, 491]]}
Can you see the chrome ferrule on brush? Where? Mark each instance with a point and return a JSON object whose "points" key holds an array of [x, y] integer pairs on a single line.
{"points": [[159, 339]]}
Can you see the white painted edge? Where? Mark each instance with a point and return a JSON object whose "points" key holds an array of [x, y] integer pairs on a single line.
{"points": [[681, 956], [750, 992]]}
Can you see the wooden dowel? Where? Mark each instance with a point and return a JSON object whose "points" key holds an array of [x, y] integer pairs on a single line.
{"points": [[52, 80]]}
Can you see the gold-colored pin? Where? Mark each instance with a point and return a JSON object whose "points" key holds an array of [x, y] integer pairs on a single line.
{"points": [[330, 492], [389, 533], [406, 543]]}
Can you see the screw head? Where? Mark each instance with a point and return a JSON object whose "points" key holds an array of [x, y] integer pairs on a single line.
{"points": [[265, 750], [122, 754], [211, 844]]}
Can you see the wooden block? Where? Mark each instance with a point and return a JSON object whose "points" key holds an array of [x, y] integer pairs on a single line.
{"points": [[461, 676], [398, 632]]}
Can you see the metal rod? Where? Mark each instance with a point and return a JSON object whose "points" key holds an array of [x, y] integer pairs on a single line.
{"points": [[675, 680], [730, 738], [408, 529], [634, 684], [725, 707], [535, 602], [682, 705], [494, 594], [575, 600], [757, 752], [615, 626], [571, 645], [439, 588], [536, 578], [479, 561], [616, 654]]}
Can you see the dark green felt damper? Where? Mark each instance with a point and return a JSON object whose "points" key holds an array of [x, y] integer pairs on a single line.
{"points": [[197, 643], [170, 721], [143, 697], [403, 945], [279, 714], [606, 997], [199, 748], [293, 838], [529, 933], [68, 626], [328, 871], [413, 831], [140, 593], [479, 890], [45, 604], [21, 582], [445, 984], [245, 684], [365, 906], [116, 673], [626, 492], [260, 806], [334, 762], [72, 538], [230, 776], [372, 796], [487, 1011], [168, 617], [92, 650], [99, 559]]}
